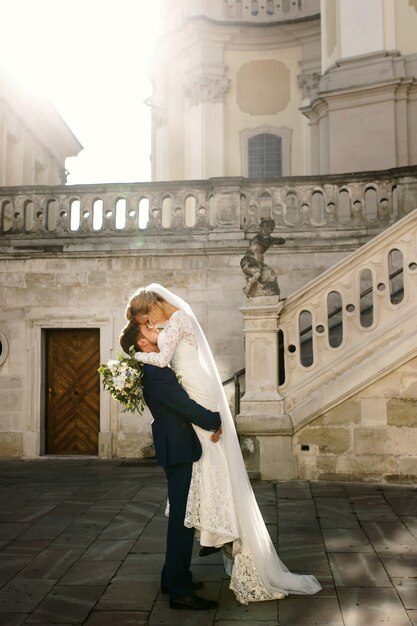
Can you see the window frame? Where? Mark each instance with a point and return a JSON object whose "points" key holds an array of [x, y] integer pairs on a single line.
{"points": [[284, 133]]}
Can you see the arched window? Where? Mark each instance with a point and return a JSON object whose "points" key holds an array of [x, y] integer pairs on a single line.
{"points": [[265, 151], [264, 156]]}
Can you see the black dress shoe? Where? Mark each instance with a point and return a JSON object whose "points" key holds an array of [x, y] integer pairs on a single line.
{"points": [[194, 586], [192, 603], [206, 550]]}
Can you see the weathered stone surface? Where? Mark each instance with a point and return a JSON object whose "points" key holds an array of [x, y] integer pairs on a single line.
{"points": [[329, 440], [402, 411], [407, 465], [11, 445], [390, 440], [348, 412], [366, 464]]}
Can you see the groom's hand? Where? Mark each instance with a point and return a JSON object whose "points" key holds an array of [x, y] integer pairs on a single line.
{"points": [[216, 435]]}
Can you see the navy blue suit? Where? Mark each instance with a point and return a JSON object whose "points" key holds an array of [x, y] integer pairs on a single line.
{"points": [[177, 447]]}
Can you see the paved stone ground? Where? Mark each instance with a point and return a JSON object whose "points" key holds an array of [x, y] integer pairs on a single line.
{"points": [[82, 542]]}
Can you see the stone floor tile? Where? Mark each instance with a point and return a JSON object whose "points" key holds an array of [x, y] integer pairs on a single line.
{"points": [[105, 506], [120, 491], [10, 566], [128, 596], [12, 619], [233, 622], [12, 530], [112, 550], [273, 532], [138, 511], [51, 563], [45, 530], [140, 564], [335, 513], [400, 565], [329, 490], [411, 522], [292, 525], [303, 555], [163, 615], [290, 493], [407, 590], [328, 587], [77, 540], [366, 607], [152, 492], [117, 618], [66, 605], [353, 489], [309, 612], [24, 548], [90, 573], [305, 539], [122, 529], [265, 493], [29, 513], [390, 537], [269, 513], [230, 609], [152, 539], [358, 569], [208, 573], [23, 596], [338, 540], [307, 558], [296, 508], [372, 507], [403, 503], [412, 615]]}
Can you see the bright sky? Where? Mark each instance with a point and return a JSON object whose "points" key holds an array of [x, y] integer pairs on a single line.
{"points": [[90, 58]]}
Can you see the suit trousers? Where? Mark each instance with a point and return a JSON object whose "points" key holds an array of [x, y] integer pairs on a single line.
{"points": [[176, 574]]}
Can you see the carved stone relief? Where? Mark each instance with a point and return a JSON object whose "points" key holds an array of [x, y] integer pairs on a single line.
{"points": [[207, 89]]}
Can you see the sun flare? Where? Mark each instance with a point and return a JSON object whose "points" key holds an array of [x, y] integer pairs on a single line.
{"points": [[89, 58]]}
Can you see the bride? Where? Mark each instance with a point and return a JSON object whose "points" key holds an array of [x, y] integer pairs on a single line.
{"points": [[221, 504]]}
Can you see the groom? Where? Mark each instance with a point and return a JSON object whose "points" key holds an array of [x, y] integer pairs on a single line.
{"points": [[177, 447]]}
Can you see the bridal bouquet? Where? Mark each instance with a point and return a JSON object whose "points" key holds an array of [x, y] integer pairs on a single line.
{"points": [[123, 379]]}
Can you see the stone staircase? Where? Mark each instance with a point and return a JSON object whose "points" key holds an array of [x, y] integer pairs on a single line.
{"points": [[340, 401], [351, 325]]}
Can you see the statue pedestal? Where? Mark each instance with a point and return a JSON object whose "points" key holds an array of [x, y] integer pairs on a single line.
{"points": [[265, 430]]}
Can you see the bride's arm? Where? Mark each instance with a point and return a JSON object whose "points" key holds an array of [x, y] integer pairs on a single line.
{"points": [[172, 334]]}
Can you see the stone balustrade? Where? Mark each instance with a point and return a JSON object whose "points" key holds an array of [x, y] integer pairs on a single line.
{"points": [[356, 320], [270, 10], [246, 11], [333, 206]]}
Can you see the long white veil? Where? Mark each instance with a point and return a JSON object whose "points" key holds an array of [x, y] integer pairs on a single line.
{"points": [[274, 575]]}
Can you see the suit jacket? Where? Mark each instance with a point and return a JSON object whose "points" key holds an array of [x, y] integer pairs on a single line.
{"points": [[173, 411]]}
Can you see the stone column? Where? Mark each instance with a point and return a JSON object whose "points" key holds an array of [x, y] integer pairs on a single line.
{"points": [[265, 429]]}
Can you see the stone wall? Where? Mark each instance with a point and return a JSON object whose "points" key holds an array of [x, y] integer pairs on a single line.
{"points": [[77, 291], [372, 436]]}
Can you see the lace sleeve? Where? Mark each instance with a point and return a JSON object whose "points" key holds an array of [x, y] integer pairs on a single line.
{"points": [[173, 332]]}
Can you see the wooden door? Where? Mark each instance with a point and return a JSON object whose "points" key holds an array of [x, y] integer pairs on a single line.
{"points": [[72, 390]]}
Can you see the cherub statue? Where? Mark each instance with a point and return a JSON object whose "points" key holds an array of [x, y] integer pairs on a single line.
{"points": [[261, 280]]}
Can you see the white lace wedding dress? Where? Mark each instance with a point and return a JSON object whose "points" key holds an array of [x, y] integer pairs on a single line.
{"points": [[212, 507]]}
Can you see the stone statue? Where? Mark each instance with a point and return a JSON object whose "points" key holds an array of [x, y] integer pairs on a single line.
{"points": [[261, 280]]}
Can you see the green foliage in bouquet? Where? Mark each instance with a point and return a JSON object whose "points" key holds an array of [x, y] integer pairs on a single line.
{"points": [[123, 379]]}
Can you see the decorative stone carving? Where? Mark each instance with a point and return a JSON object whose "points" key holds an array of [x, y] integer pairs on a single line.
{"points": [[308, 83], [159, 112], [207, 89], [261, 280], [226, 210]]}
